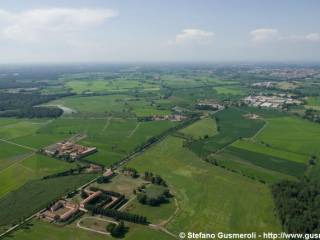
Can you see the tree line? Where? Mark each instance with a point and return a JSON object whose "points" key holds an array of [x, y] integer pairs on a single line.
{"points": [[23, 105], [298, 205], [118, 215]]}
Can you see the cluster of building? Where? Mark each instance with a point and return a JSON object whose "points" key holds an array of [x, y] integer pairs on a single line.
{"points": [[92, 195], [209, 105], [173, 118], [264, 84], [68, 150], [61, 211], [288, 73], [276, 101]]}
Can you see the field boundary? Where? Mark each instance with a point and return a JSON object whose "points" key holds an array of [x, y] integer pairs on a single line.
{"points": [[19, 145]]}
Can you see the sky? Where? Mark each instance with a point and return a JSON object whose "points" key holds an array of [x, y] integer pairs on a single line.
{"points": [[159, 31]]}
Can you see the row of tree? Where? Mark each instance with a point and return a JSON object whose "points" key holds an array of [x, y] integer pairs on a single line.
{"points": [[72, 171], [312, 115], [118, 215], [34, 112], [14, 101]]}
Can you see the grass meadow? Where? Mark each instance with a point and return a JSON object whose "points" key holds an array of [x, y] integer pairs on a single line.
{"points": [[206, 126], [208, 197], [232, 125], [292, 134]]}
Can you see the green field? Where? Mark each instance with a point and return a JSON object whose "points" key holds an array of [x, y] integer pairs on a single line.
{"points": [[15, 205], [205, 126], [10, 154], [269, 162], [262, 148], [292, 134], [19, 164], [113, 137], [219, 169], [110, 105], [210, 198], [31, 167], [118, 85], [313, 101], [232, 125], [43, 230], [21, 128], [235, 163], [121, 184], [230, 90], [155, 215]]}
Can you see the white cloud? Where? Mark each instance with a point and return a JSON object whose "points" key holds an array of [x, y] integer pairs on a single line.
{"points": [[40, 24], [193, 35], [264, 34], [271, 34], [314, 37]]}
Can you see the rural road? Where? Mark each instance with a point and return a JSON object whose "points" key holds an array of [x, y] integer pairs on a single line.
{"points": [[93, 230]]}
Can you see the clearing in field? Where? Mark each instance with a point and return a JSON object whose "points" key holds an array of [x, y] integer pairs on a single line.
{"points": [[121, 184], [208, 197], [206, 126]]}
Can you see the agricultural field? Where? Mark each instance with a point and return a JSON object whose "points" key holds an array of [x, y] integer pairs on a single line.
{"points": [[220, 166], [208, 196], [101, 86], [119, 105], [313, 103], [230, 90], [113, 137], [32, 166], [15, 205], [242, 166], [204, 127], [292, 134], [268, 162], [11, 154], [20, 128], [232, 125], [264, 149]]}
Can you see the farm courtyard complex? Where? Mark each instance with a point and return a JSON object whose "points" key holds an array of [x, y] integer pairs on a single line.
{"points": [[147, 152]]}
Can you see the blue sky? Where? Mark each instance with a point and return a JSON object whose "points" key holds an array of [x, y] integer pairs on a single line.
{"points": [[159, 30]]}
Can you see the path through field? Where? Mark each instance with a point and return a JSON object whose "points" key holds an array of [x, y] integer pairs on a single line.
{"points": [[107, 124], [134, 130], [19, 145]]}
